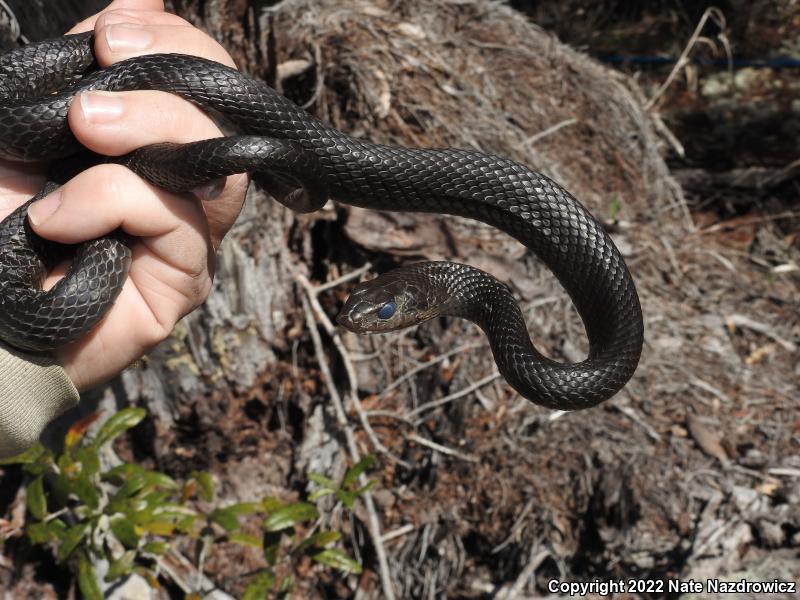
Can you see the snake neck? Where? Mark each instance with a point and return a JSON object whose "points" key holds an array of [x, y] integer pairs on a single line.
{"points": [[478, 297], [472, 294]]}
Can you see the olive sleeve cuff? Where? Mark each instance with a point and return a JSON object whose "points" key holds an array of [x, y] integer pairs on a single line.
{"points": [[34, 390]]}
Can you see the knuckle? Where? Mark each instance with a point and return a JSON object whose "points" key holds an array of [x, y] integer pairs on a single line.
{"points": [[157, 331], [109, 182], [196, 286]]}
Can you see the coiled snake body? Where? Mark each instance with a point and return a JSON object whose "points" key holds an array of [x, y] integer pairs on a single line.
{"points": [[302, 162]]}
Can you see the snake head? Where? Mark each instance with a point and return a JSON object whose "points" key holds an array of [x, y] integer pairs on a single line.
{"points": [[387, 303]]}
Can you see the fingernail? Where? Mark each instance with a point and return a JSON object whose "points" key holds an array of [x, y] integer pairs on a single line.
{"points": [[43, 209], [101, 107], [210, 190], [124, 37]]}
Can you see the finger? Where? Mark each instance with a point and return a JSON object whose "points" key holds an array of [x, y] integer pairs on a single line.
{"points": [[114, 124], [155, 298], [99, 355], [123, 34], [88, 24], [107, 197]]}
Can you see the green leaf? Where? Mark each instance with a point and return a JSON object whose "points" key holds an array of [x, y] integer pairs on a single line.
{"points": [[338, 560], [158, 527], [347, 498], [31, 455], [72, 537], [206, 484], [89, 459], [42, 533], [228, 517], [122, 566], [227, 520], [87, 579], [318, 540], [365, 488], [155, 499], [322, 481], [158, 548], [270, 504], [260, 586], [130, 486], [119, 424], [323, 538], [354, 472], [246, 539], [173, 510], [320, 493], [160, 480], [186, 524], [287, 516], [124, 528], [122, 472], [36, 501], [86, 491]]}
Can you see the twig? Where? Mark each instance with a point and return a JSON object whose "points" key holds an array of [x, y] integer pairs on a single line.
{"points": [[697, 553], [703, 385], [535, 560], [373, 524], [396, 533], [451, 397], [389, 414], [549, 131], [633, 416], [784, 472], [439, 448], [737, 320], [514, 528], [668, 135], [409, 374], [322, 318], [710, 13], [747, 222], [343, 279]]}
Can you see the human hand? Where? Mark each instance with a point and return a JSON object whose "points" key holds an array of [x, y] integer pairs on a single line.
{"points": [[175, 235]]}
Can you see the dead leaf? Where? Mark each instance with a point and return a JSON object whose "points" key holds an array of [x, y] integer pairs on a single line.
{"points": [[708, 441], [757, 355], [769, 487]]}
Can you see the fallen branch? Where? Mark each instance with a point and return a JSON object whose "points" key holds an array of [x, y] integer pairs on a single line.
{"points": [[454, 396], [373, 524]]}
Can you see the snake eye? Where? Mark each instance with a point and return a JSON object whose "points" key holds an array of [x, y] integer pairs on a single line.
{"points": [[387, 310]]}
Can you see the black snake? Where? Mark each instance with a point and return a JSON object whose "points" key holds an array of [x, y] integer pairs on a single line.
{"points": [[302, 162]]}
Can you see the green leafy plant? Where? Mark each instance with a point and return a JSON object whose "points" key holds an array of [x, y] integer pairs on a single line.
{"points": [[129, 516]]}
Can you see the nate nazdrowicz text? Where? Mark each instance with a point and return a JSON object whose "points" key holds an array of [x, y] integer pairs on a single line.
{"points": [[679, 586]]}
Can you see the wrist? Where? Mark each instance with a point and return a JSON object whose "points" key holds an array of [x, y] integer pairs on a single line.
{"points": [[34, 390]]}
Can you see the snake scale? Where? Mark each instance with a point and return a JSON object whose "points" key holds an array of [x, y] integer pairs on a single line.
{"points": [[302, 162]]}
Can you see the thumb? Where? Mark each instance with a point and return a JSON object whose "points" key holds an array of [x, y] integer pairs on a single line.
{"points": [[88, 24]]}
